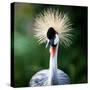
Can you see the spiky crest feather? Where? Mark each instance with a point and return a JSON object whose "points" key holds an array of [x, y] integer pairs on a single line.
{"points": [[59, 21]]}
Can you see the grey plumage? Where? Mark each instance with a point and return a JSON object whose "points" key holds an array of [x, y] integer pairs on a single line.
{"points": [[41, 78]]}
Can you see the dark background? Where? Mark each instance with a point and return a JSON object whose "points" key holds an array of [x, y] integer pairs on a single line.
{"points": [[30, 57]]}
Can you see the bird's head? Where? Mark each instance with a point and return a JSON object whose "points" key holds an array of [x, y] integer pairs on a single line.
{"points": [[52, 37], [53, 27]]}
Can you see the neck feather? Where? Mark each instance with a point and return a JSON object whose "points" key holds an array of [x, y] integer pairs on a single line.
{"points": [[53, 65]]}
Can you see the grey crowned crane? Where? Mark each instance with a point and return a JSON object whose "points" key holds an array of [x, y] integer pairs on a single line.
{"points": [[52, 27]]}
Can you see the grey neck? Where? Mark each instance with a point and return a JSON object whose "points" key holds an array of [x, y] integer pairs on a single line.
{"points": [[53, 68]]}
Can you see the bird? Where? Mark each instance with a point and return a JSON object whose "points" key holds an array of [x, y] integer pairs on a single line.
{"points": [[53, 28]]}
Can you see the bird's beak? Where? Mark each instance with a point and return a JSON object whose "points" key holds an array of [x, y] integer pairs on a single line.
{"points": [[50, 42], [53, 41], [47, 43]]}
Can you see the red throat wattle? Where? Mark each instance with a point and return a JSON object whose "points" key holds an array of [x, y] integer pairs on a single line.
{"points": [[53, 51]]}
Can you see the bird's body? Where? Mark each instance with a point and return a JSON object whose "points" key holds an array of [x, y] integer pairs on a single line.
{"points": [[41, 78], [54, 28], [51, 76]]}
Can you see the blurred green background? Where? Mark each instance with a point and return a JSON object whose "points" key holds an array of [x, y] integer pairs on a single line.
{"points": [[30, 57]]}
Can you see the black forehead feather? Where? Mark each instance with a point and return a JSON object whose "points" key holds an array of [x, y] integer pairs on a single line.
{"points": [[51, 33]]}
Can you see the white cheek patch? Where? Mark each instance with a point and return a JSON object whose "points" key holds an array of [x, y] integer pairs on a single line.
{"points": [[56, 40]]}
